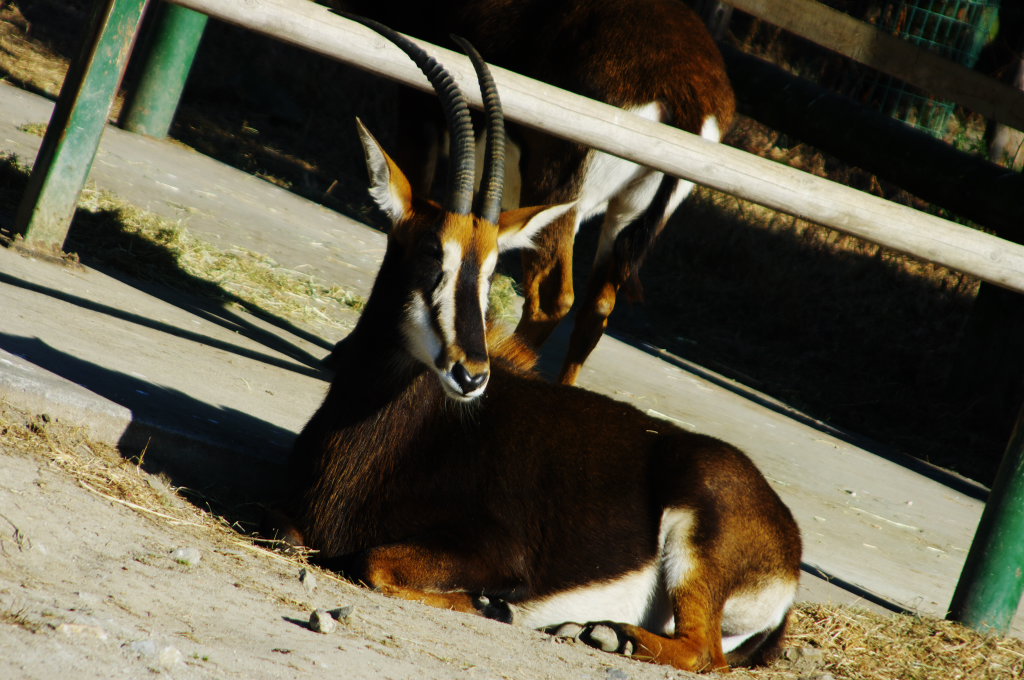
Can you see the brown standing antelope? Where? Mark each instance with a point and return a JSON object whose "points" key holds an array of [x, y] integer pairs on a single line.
{"points": [[652, 57], [438, 469]]}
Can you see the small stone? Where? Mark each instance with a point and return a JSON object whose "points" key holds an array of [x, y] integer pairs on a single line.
{"points": [[169, 657], [81, 629], [617, 674], [321, 621], [188, 556], [341, 613], [308, 579], [146, 648]]}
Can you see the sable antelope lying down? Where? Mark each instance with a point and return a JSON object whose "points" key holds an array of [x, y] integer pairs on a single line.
{"points": [[437, 472], [654, 58]]}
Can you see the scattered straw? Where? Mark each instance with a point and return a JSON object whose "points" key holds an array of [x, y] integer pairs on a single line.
{"points": [[149, 246], [134, 506], [859, 645]]}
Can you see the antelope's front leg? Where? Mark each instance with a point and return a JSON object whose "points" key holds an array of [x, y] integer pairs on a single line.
{"points": [[547, 281], [437, 577]]}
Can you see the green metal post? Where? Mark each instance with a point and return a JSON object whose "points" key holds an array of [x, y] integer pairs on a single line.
{"points": [[990, 587], [155, 97], [73, 134]]}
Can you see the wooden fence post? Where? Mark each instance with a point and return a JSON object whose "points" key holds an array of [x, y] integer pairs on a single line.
{"points": [[73, 134], [155, 97]]}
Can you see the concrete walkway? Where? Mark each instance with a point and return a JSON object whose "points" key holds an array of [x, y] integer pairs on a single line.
{"points": [[205, 387]]}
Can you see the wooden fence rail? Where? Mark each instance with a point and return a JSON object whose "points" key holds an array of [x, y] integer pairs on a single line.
{"points": [[675, 152], [867, 45]]}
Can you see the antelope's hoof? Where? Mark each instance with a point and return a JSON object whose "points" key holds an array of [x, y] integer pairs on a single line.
{"points": [[607, 636], [493, 608]]}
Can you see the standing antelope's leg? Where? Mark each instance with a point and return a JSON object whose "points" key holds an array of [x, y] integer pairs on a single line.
{"points": [[624, 242], [551, 171], [591, 319], [547, 281]]}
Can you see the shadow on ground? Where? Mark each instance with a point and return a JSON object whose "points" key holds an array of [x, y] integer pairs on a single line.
{"points": [[849, 334], [225, 459]]}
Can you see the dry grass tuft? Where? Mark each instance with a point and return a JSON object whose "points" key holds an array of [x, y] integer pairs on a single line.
{"points": [[861, 645], [240, 273], [504, 305], [14, 615], [103, 470], [37, 129], [97, 467]]}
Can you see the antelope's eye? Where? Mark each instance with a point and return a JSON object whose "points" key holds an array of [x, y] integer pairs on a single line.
{"points": [[432, 249]]}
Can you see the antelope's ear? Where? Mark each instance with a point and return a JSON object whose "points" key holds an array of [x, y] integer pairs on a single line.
{"points": [[389, 187], [517, 228]]}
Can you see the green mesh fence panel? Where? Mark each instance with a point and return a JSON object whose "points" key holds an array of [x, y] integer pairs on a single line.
{"points": [[956, 29]]}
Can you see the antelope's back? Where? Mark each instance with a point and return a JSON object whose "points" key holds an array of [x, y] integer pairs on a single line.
{"points": [[623, 52]]}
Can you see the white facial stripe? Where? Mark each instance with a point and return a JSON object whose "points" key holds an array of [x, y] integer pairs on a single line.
{"points": [[420, 336], [444, 295], [484, 284]]}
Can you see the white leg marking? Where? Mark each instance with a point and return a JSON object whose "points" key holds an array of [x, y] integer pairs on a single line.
{"points": [[752, 611], [626, 599], [709, 129], [674, 537], [606, 176]]}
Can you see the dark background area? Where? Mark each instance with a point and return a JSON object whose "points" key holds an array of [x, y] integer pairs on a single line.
{"points": [[852, 334]]}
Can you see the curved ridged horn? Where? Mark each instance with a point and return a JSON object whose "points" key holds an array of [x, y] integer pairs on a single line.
{"points": [[492, 185], [461, 151]]}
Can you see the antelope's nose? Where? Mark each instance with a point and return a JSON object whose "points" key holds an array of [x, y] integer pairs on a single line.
{"points": [[468, 382]]}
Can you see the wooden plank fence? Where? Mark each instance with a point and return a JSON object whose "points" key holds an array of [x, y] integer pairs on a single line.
{"points": [[867, 45], [667, 149]]}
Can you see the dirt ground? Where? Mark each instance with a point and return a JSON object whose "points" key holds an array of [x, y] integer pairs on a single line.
{"points": [[107, 571], [90, 587]]}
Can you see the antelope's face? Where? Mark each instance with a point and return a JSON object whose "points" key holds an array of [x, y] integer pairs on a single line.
{"points": [[443, 322], [447, 261], [440, 259], [451, 260]]}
